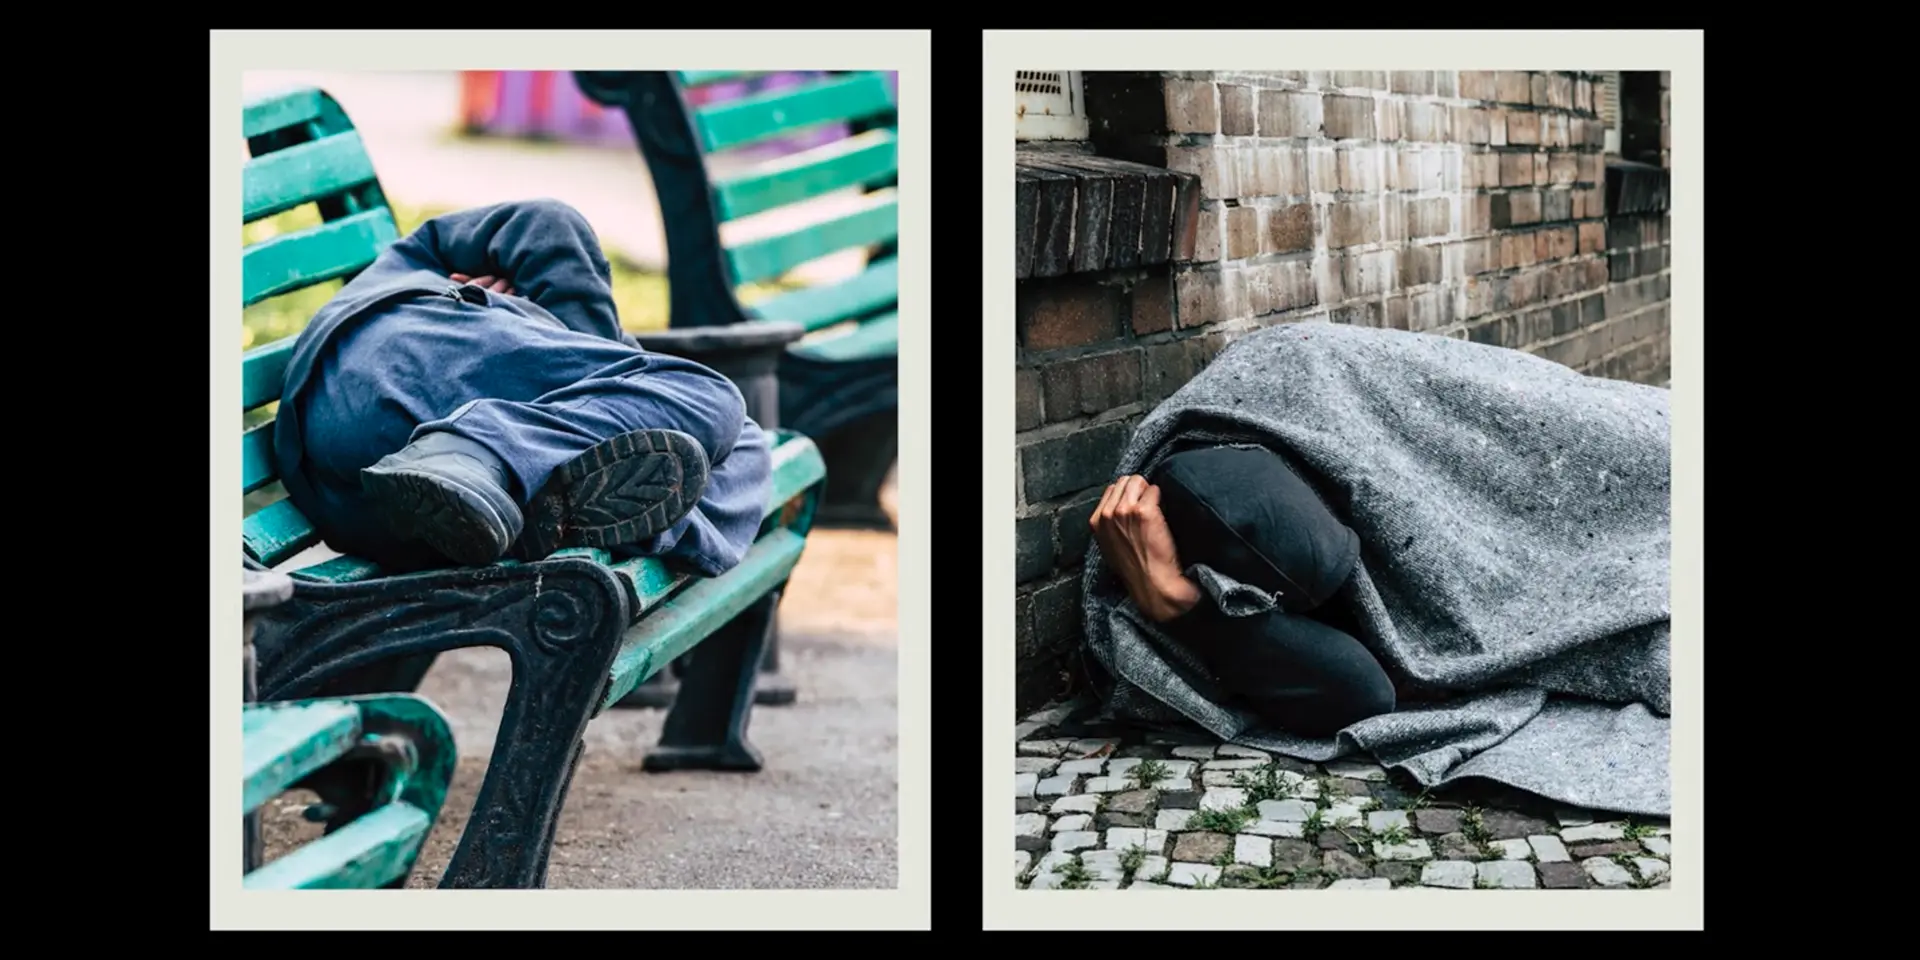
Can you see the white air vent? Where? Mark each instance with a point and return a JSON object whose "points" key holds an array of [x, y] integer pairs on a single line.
{"points": [[1048, 106], [1606, 100]]}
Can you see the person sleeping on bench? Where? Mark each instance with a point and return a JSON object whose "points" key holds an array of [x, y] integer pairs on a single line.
{"points": [[471, 396], [1245, 514]]}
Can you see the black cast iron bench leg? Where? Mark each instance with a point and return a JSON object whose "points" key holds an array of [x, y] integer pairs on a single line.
{"points": [[561, 622], [707, 727]]}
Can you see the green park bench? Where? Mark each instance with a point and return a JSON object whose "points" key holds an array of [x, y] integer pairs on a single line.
{"points": [[839, 385], [381, 766], [582, 630]]}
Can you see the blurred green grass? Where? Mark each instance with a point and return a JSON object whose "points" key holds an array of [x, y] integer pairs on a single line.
{"points": [[639, 294]]}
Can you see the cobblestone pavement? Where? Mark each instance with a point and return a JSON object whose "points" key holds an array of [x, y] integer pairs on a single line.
{"points": [[1105, 808]]}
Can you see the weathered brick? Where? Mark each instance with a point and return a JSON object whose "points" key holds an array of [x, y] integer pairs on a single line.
{"points": [[1362, 79], [1233, 294], [1540, 168], [1523, 128], [1209, 232], [1420, 170], [1211, 165], [1477, 85], [1197, 294], [1419, 264], [1090, 385], [1348, 117], [1388, 119], [1292, 284], [1191, 107], [1026, 399], [1559, 90], [1359, 169], [1479, 298], [1353, 222], [1592, 237], [1554, 130], [1328, 280], [1323, 170], [1556, 206], [1478, 211], [1366, 314], [1289, 228], [1286, 171], [1489, 164], [1236, 110], [1583, 96], [1071, 531], [1516, 169], [1425, 122], [1062, 465], [1498, 332], [1394, 313], [1572, 351], [1368, 274], [1170, 366], [1538, 88], [1460, 125], [1057, 618], [1411, 81], [1563, 168], [1432, 217], [1152, 305], [1513, 86], [1525, 206], [1243, 232], [1287, 113], [1497, 128], [1069, 312], [1556, 243], [1032, 548], [1393, 217]]}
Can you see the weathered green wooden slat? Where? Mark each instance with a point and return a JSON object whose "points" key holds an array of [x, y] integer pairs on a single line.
{"points": [[368, 853], [315, 255], [338, 570], [276, 532], [875, 220], [280, 110], [876, 337], [695, 78], [797, 465], [284, 742], [874, 288], [309, 171], [696, 611], [761, 116], [852, 162], [256, 458], [263, 371]]}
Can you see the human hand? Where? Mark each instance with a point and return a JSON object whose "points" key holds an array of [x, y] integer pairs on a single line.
{"points": [[1137, 544], [496, 284]]}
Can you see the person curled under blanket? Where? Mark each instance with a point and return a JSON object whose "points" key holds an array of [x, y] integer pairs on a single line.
{"points": [[1297, 666]]}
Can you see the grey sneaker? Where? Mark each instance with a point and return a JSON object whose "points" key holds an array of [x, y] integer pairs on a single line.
{"points": [[448, 493]]}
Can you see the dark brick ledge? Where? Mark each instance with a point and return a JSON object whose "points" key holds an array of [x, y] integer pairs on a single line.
{"points": [[1635, 188], [1082, 214]]}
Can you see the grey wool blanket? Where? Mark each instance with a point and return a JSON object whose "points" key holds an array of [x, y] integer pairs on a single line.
{"points": [[1513, 519]]}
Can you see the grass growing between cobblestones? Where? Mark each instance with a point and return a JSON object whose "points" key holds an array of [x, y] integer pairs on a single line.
{"points": [[1264, 784], [1073, 875], [1146, 773], [1222, 821]]}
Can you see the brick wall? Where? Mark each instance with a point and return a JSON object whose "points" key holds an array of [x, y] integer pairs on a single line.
{"points": [[1467, 204]]}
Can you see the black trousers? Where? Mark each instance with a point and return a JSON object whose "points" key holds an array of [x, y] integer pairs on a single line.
{"points": [[1246, 514]]}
